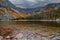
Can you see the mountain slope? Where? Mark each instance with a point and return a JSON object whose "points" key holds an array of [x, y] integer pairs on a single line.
{"points": [[53, 6], [50, 12], [47, 12]]}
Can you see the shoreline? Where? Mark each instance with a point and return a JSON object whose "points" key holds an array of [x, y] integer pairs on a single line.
{"points": [[30, 20]]}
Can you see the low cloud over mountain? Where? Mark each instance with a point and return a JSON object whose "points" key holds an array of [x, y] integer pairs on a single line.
{"points": [[32, 3]]}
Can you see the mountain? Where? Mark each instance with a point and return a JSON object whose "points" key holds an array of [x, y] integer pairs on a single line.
{"points": [[53, 6], [9, 11], [30, 10], [49, 12], [11, 6], [4, 6], [38, 9]]}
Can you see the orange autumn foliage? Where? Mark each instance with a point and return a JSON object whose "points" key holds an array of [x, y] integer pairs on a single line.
{"points": [[18, 15]]}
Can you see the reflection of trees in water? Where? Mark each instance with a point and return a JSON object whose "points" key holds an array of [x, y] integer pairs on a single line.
{"points": [[44, 23], [50, 23]]}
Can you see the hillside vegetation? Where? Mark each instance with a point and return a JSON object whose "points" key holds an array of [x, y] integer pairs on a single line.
{"points": [[46, 14], [11, 12]]}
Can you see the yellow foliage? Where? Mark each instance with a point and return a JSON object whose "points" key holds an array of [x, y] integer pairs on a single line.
{"points": [[18, 15]]}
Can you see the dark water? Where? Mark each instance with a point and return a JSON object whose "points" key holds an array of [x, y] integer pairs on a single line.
{"points": [[44, 23]]}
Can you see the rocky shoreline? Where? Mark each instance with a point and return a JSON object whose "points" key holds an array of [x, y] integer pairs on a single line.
{"points": [[20, 35]]}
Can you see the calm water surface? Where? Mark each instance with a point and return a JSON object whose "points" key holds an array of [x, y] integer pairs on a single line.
{"points": [[33, 26]]}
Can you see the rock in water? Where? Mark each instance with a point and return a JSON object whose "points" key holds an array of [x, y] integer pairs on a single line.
{"points": [[1, 37], [56, 38]]}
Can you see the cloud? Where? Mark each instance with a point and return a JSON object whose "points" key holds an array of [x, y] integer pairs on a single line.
{"points": [[27, 3], [32, 3], [31, 0], [55, 1]]}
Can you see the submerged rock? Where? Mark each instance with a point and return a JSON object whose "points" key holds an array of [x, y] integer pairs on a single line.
{"points": [[34, 37], [1, 37], [56, 38], [22, 35]]}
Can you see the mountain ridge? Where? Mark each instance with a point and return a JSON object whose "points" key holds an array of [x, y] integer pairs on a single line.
{"points": [[23, 13]]}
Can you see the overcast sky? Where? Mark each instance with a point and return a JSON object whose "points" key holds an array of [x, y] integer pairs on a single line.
{"points": [[32, 3]]}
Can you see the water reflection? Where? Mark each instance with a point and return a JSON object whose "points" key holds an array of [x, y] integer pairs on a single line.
{"points": [[45, 23]]}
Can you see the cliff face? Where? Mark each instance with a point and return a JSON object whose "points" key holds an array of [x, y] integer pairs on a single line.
{"points": [[50, 12], [9, 11], [4, 8]]}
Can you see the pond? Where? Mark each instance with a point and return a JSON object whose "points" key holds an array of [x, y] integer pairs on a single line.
{"points": [[43, 28]]}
